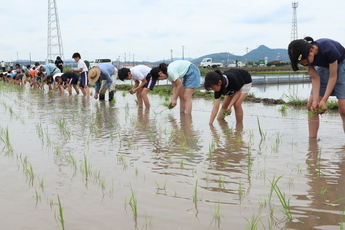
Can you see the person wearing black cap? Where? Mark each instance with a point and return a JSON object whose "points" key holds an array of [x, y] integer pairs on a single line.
{"points": [[324, 61]]}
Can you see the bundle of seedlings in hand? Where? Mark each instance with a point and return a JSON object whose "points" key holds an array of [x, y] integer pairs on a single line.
{"points": [[227, 113], [316, 112]]}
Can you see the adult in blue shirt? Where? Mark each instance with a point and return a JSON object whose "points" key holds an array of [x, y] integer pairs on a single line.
{"points": [[104, 76], [324, 60]]}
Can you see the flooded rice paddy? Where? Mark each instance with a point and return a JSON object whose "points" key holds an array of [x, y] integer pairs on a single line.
{"points": [[72, 163]]}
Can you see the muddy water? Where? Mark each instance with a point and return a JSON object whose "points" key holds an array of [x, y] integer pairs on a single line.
{"points": [[104, 159]]}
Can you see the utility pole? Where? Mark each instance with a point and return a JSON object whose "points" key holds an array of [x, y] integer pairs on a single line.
{"points": [[54, 46], [182, 52], [172, 59], [294, 34]]}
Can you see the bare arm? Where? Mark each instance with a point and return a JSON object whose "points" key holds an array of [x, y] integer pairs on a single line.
{"points": [[176, 92], [333, 76], [315, 82], [215, 110]]}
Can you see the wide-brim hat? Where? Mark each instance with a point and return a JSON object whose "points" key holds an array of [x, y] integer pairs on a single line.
{"points": [[94, 74]]}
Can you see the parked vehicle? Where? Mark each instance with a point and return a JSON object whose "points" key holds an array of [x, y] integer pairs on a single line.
{"points": [[100, 61], [208, 63]]}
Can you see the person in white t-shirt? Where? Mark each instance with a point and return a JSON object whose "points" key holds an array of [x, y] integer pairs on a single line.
{"points": [[3, 66], [143, 82], [83, 70]]}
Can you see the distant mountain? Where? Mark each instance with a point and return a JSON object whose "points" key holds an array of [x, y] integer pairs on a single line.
{"points": [[227, 58], [254, 55]]}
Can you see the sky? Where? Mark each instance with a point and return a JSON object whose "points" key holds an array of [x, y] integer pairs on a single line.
{"points": [[153, 30]]}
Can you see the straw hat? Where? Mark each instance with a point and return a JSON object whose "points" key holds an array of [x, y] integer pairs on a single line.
{"points": [[94, 74]]}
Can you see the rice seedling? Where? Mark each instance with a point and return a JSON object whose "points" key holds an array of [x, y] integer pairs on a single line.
{"points": [[133, 202], [315, 112], [282, 198], [42, 183], [226, 163], [136, 171], [124, 93], [323, 190], [86, 167], [341, 220], [148, 223], [30, 174], [262, 134], [71, 160], [158, 187], [226, 113], [217, 213], [39, 130], [103, 186], [295, 100], [283, 108], [249, 161], [211, 149], [220, 182], [182, 163], [61, 218], [195, 192], [240, 188], [5, 138], [37, 195], [253, 222]]}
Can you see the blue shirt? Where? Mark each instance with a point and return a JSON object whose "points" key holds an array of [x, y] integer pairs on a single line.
{"points": [[329, 52], [177, 69], [106, 71], [49, 69]]}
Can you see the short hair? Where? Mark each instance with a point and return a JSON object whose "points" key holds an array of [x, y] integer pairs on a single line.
{"points": [[123, 73], [299, 50], [37, 63], [28, 66], [212, 78], [76, 55]]}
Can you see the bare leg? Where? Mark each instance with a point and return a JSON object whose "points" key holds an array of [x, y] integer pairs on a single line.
{"points": [[139, 98], [238, 107], [187, 101], [145, 98], [75, 88], [313, 121]]}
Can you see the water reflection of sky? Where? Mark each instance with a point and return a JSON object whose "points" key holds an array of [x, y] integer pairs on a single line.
{"points": [[276, 91]]}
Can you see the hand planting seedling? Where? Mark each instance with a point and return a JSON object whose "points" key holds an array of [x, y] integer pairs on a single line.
{"points": [[316, 112], [227, 113]]}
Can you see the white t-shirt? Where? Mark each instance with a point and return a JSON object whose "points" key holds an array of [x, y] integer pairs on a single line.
{"points": [[140, 72], [2, 64], [82, 65]]}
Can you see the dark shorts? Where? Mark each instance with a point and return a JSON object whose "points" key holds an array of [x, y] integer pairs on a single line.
{"points": [[150, 84], [19, 76], [73, 80], [83, 79]]}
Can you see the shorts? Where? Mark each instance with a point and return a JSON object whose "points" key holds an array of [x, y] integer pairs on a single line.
{"points": [[150, 84], [246, 88], [38, 79], [339, 88], [191, 79], [83, 79], [73, 80], [19, 76]]}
